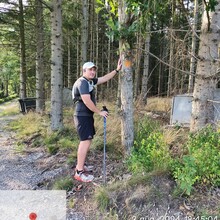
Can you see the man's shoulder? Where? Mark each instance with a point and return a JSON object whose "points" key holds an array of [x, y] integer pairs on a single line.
{"points": [[80, 81], [83, 80]]}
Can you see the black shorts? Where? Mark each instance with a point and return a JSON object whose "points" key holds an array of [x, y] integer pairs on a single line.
{"points": [[85, 127]]}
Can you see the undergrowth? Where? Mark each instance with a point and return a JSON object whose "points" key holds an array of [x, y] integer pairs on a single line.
{"points": [[196, 164], [192, 160], [201, 165]]}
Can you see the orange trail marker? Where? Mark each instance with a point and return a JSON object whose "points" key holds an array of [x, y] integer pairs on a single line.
{"points": [[33, 216], [127, 63]]}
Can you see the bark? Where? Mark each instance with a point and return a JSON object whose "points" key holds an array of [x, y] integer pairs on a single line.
{"points": [[78, 60], [171, 55], [40, 70], [69, 73], [139, 53], [84, 37], [97, 47], [91, 30], [108, 61], [193, 50], [126, 79], [23, 68], [161, 67], [56, 67], [206, 74], [144, 88]]}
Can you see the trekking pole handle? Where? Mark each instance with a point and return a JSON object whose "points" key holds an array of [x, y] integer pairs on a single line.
{"points": [[104, 108]]}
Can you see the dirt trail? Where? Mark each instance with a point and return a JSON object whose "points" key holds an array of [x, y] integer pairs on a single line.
{"points": [[29, 169], [23, 170]]}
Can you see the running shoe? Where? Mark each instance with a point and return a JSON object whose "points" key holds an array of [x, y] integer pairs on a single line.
{"points": [[83, 177]]}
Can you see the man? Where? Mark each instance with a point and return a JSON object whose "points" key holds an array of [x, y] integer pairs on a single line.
{"points": [[84, 97]]}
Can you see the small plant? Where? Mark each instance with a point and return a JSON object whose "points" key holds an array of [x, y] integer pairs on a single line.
{"points": [[20, 147], [186, 175], [102, 198], [150, 151], [150, 154], [144, 128], [201, 165], [71, 203], [63, 184]]}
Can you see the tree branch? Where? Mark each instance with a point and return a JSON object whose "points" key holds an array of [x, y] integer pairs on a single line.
{"points": [[183, 71], [207, 13], [47, 5]]}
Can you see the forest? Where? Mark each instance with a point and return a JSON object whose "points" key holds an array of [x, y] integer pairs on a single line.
{"points": [[167, 48]]}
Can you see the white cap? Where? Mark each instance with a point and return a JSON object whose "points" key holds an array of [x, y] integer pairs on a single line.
{"points": [[88, 65]]}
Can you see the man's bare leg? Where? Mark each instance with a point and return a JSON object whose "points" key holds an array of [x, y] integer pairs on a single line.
{"points": [[82, 153]]}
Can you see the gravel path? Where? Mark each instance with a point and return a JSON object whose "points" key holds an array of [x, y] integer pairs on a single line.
{"points": [[32, 169], [29, 169]]}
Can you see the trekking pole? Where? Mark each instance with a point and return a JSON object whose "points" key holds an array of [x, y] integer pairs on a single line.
{"points": [[104, 148]]}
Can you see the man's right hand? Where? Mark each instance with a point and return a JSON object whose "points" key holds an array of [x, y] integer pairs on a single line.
{"points": [[103, 114]]}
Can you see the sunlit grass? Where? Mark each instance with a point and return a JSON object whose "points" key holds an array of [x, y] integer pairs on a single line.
{"points": [[9, 108], [158, 104], [29, 124]]}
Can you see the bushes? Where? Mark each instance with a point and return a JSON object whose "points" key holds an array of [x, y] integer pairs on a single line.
{"points": [[150, 151], [150, 154], [200, 164]]}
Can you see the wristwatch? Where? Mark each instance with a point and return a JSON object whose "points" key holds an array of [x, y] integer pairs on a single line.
{"points": [[116, 70]]}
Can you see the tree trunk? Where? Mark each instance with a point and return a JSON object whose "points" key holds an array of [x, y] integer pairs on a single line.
{"points": [[193, 50], [139, 53], [206, 74], [171, 55], [91, 29], [23, 77], [144, 87], [78, 59], [84, 37], [40, 77], [127, 121], [161, 83], [56, 67], [69, 72]]}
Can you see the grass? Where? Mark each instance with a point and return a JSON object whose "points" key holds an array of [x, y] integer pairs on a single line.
{"points": [[158, 105], [103, 193], [102, 198], [66, 141], [63, 184], [9, 108], [29, 124]]}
